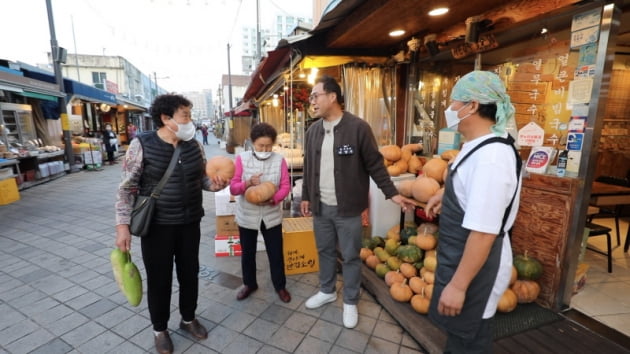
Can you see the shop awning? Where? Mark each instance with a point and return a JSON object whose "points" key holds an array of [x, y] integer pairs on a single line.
{"points": [[29, 87], [129, 105], [40, 96], [89, 93], [73, 88], [267, 71], [238, 114]]}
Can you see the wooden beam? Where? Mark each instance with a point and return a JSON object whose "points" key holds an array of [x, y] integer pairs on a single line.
{"points": [[508, 15]]}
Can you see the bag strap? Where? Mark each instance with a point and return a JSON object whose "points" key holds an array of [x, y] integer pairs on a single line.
{"points": [[171, 166], [519, 163]]}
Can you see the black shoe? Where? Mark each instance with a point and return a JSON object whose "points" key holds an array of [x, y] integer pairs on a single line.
{"points": [[163, 343], [195, 328]]}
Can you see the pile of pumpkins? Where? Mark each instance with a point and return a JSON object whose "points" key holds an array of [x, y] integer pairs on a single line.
{"points": [[406, 260], [430, 173], [524, 288]]}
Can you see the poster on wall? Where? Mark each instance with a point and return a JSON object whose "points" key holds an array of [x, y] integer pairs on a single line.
{"points": [[580, 91], [574, 141]]}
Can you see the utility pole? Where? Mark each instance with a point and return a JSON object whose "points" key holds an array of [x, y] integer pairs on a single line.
{"points": [[258, 44], [156, 86], [58, 56]]}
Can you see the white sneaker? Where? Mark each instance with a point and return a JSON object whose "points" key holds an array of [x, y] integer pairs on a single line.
{"points": [[350, 316], [320, 299]]}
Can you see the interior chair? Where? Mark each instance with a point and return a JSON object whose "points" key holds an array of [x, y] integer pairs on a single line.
{"points": [[613, 210], [599, 230]]}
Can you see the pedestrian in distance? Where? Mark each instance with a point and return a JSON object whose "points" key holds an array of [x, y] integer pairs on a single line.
{"points": [[110, 141], [251, 169], [340, 156], [174, 234], [204, 133], [477, 209]]}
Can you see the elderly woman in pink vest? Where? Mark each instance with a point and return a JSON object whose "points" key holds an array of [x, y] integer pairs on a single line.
{"points": [[253, 168]]}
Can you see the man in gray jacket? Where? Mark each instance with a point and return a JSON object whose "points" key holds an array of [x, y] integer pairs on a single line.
{"points": [[341, 155]]}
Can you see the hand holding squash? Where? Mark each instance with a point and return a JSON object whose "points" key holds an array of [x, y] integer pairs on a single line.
{"points": [[260, 194]]}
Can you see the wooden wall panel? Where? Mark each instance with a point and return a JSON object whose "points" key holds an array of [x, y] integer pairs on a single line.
{"points": [[542, 228]]}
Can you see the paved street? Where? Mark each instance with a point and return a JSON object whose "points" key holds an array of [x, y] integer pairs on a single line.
{"points": [[58, 294]]}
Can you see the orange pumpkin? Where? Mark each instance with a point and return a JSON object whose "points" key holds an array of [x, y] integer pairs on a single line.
{"points": [[404, 187], [526, 290], [507, 302], [402, 165], [430, 263], [448, 155], [424, 188], [401, 291], [434, 168], [427, 275], [420, 304], [221, 166], [394, 170], [416, 284], [393, 276], [260, 193], [405, 155], [408, 270], [372, 261], [426, 242], [364, 253], [391, 152], [428, 291], [415, 164], [415, 147]]}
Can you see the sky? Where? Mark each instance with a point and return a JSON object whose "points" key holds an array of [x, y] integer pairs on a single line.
{"points": [[184, 42]]}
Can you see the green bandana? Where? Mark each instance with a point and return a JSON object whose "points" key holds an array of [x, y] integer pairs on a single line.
{"points": [[485, 87]]}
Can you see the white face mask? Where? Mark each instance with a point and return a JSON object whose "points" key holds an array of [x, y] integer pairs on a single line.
{"points": [[185, 132], [262, 155], [452, 119]]}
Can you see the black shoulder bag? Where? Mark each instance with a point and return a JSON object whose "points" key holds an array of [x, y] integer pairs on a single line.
{"points": [[142, 212]]}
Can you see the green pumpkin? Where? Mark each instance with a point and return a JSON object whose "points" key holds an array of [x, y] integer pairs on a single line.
{"points": [[378, 241], [407, 232], [382, 269], [409, 253], [528, 268], [367, 243]]}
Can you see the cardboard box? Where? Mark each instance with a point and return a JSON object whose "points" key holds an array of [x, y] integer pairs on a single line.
{"points": [[226, 246], [224, 202], [8, 191], [226, 225], [300, 250]]}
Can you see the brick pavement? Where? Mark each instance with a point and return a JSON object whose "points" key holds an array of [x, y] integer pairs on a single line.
{"points": [[58, 294]]}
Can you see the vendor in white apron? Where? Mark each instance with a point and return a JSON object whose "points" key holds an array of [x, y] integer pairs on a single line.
{"points": [[477, 209]]}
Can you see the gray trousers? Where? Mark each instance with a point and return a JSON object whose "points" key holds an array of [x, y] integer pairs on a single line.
{"points": [[332, 230]]}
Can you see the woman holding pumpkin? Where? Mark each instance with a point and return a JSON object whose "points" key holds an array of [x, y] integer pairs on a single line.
{"points": [[261, 182]]}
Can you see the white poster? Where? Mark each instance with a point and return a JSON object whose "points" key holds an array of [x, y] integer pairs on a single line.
{"points": [[580, 91]]}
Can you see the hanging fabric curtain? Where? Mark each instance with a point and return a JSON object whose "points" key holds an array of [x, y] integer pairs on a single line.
{"points": [[369, 94]]}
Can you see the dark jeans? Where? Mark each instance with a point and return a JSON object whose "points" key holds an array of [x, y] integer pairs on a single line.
{"points": [[205, 140], [164, 245], [273, 244], [110, 156], [481, 344]]}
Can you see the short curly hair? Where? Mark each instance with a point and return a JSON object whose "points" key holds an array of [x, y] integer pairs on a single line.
{"points": [[167, 104], [263, 130]]}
